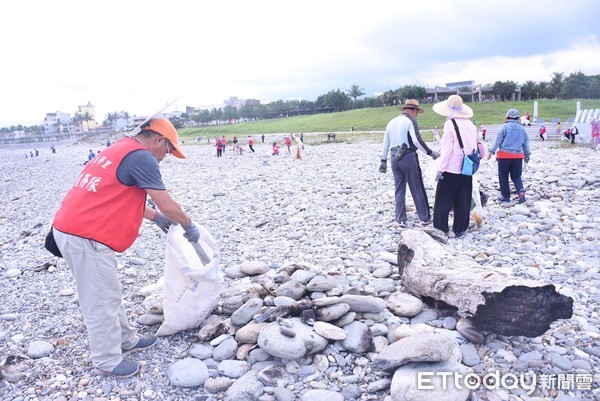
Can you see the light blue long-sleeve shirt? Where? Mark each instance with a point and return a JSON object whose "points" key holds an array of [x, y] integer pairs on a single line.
{"points": [[511, 138]]}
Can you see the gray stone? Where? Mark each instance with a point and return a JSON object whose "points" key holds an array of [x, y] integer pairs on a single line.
{"points": [[292, 289], [406, 387], [364, 303], [321, 283], [283, 394], [402, 304], [329, 331], [470, 356], [201, 351], [232, 368], [217, 384], [321, 395], [333, 312], [351, 391], [246, 312], [246, 388], [466, 328], [359, 339], [531, 356], [274, 376], [252, 268], [427, 315], [39, 349], [249, 333], [423, 348], [187, 372], [225, 350], [561, 362], [304, 343]]}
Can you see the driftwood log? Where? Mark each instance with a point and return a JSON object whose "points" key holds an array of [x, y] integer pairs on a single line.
{"points": [[495, 300]]}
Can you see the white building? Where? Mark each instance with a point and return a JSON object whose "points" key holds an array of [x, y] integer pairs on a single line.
{"points": [[57, 123]]}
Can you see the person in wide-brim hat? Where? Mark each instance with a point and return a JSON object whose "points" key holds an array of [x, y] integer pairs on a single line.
{"points": [[413, 104], [453, 107]]}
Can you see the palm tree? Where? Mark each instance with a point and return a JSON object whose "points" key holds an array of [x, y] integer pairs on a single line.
{"points": [[87, 117], [76, 121], [556, 83], [543, 90], [355, 92], [111, 118], [528, 90]]}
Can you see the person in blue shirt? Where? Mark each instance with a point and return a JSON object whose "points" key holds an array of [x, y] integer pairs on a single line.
{"points": [[512, 144]]}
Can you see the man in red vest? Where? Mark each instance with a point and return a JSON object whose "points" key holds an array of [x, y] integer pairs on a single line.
{"points": [[102, 214]]}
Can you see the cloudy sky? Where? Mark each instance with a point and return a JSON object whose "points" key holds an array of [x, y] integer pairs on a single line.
{"points": [[137, 56]]}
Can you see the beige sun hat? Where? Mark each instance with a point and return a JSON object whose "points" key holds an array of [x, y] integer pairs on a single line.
{"points": [[453, 107], [412, 104]]}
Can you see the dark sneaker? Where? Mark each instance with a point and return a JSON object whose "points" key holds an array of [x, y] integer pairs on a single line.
{"points": [[402, 223], [122, 370], [460, 234], [522, 197], [426, 223], [502, 199], [144, 342]]}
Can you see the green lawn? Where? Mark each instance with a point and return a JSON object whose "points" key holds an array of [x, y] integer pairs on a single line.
{"points": [[365, 120]]}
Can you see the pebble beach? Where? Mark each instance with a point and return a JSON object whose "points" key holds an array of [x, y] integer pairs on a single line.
{"points": [[325, 223]]}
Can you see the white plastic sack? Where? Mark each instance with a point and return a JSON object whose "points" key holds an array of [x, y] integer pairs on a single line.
{"points": [[477, 213], [431, 172], [191, 288]]}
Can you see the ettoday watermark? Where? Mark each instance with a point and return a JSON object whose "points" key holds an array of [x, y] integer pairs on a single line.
{"points": [[528, 381]]}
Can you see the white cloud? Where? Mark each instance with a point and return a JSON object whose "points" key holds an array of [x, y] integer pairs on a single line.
{"points": [[138, 55]]}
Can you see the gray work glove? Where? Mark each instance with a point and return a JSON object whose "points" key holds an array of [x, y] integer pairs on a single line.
{"points": [[434, 155], [163, 222], [526, 159], [383, 166], [191, 232], [439, 176]]}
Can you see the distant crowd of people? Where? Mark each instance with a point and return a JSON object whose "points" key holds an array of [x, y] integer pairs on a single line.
{"points": [[238, 149]]}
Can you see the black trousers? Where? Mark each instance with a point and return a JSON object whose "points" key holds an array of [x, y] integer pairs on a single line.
{"points": [[454, 191]]}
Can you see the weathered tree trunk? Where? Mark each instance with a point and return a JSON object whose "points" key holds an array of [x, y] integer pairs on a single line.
{"points": [[496, 300]]}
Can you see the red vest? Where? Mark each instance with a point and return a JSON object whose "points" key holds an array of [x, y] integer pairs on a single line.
{"points": [[99, 207]]}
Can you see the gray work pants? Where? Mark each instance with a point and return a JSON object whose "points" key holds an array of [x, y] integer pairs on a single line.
{"points": [[407, 171], [94, 267]]}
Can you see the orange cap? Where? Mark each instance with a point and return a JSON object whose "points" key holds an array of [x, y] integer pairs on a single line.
{"points": [[165, 128]]}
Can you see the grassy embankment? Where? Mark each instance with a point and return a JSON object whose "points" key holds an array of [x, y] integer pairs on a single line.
{"points": [[367, 120]]}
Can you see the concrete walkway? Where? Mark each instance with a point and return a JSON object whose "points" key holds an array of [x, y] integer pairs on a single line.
{"points": [[532, 131]]}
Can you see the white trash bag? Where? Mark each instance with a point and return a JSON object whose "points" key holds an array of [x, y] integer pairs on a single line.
{"points": [[477, 212], [192, 281], [431, 172]]}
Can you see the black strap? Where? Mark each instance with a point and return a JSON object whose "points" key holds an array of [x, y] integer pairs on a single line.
{"points": [[458, 135]]}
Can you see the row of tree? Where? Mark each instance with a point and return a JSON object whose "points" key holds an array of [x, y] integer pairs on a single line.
{"points": [[576, 85], [330, 102]]}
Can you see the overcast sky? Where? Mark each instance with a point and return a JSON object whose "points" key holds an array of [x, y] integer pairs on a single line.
{"points": [[137, 56]]}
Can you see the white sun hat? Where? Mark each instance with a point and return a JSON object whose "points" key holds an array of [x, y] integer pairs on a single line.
{"points": [[453, 107]]}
